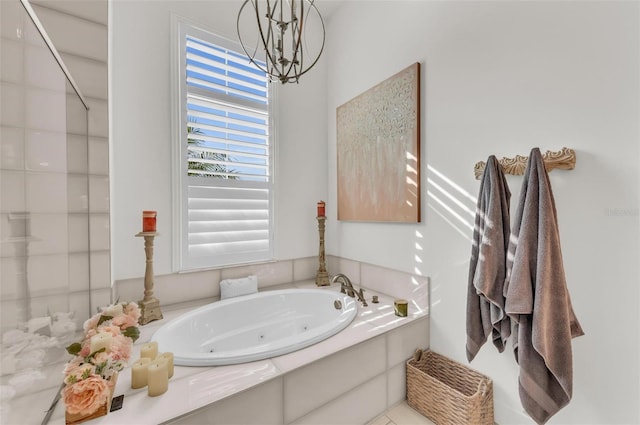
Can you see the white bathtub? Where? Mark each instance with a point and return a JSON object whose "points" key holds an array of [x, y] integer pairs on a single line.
{"points": [[255, 327]]}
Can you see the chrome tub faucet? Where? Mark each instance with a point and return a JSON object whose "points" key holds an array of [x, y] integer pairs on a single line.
{"points": [[346, 287]]}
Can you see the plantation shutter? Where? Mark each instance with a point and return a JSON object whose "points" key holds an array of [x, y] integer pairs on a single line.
{"points": [[228, 156]]}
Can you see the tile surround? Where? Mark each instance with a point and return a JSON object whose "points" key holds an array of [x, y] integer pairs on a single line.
{"points": [[100, 271], [397, 380], [354, 407], [99, 187], [48, 274], [12, 61], [46, 151], [335, 374], [205, 284], [12, 104], [12, 185], [77, 193], [78, 225], [269, 274], [99, 231], [407, 286], [45, 110], [79, 272], [305, 268], [345, 266], [98, 156], [10, 272], [411, 332], [46, 192], [77, 153], [266, 403], [12, 148]]}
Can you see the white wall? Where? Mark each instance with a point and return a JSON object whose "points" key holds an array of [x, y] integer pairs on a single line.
{"points": [[142, 135], [500, 78]]}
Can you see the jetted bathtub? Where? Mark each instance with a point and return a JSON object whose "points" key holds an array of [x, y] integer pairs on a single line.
{"points": [[256, 326]]}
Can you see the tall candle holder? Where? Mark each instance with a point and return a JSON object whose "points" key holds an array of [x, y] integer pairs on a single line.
{"points": [[322, 277], [149, 306]]}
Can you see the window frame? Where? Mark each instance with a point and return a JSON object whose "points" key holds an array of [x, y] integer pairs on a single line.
{"points": [[180, 28]]}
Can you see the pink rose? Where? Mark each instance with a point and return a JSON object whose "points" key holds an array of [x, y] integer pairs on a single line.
{"points": [[133, 310], [113, 330], [124, 321], [91, 323], [85, 345], [90, 334], [121, 348], [86, 396]]}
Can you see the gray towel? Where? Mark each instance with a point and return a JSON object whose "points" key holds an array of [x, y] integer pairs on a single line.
{"points": [[537, 299], [487, 268]]}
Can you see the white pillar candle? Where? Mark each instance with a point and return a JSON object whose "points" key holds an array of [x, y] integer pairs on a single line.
{"points": [[169, 357], [157, 377], [139, 372], [150, 350], [101, 340]]}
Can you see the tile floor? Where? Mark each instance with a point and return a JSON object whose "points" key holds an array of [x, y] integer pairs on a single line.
{"points": [[401, 414]]}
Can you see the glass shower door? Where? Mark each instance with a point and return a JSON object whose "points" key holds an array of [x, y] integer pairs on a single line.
{"points": [[44, 218]]}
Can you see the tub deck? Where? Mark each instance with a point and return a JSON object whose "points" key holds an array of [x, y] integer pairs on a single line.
{"points": [[192, 388]]}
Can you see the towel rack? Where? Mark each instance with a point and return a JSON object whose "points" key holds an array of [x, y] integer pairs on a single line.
{"points": [[564, 159]]}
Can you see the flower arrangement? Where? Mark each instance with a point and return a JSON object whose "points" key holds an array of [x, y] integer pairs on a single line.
{"points": [[104, 351]]}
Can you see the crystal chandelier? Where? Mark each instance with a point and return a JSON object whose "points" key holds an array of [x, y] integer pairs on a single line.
{"points": [[281, 25]]}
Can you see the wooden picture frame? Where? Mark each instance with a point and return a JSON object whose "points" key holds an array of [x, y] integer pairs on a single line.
{"points": [[378, 149]]}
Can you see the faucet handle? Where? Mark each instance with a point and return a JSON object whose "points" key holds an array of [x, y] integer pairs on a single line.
{"points": [[362, 298]]}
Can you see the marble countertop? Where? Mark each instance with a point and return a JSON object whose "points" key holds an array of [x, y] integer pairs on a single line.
{"points": [[191, 388]]}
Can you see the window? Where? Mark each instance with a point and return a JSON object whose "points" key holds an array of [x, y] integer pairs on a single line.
{"points": [[225, 158]]}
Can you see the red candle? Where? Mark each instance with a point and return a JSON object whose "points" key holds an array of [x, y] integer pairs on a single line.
{"points": [[149, 221], [321, 209]]}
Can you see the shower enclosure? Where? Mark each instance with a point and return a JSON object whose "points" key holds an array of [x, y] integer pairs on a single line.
{"points": [[44, 216]]}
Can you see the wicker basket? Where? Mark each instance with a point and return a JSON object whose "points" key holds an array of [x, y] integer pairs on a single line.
{"points": [[448, 392]]}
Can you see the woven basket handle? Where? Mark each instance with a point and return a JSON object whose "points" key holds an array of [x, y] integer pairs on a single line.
{"points": [[483, 387], [417, 355]]}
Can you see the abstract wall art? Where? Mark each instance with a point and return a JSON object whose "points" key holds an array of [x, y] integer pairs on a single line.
{"points": [[378, 149]]}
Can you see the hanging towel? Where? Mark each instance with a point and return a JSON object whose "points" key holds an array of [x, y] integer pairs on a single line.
{"points": [[487, 268], [537, 299]]}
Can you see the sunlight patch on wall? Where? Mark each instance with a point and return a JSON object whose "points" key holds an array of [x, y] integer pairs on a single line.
{"points": [[451, 202], [418, 259]]}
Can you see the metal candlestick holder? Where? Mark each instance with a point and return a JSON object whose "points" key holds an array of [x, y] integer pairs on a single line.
{"points": [[149, 306], [322, 277]]}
